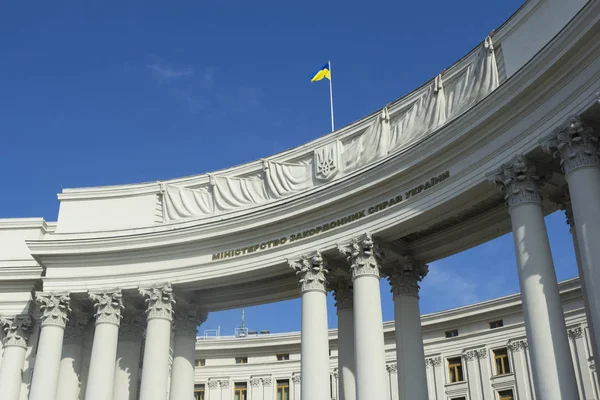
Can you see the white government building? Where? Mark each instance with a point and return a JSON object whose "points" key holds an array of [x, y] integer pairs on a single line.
{"points": [[104, 303]]}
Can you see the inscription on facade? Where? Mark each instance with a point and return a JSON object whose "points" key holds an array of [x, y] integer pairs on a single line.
{"points": [[333, 224]]}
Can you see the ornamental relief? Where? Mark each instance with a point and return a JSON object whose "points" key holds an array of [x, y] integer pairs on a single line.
{"points": [[520, 181], [16, 330], [159, 301], [311, 271], [108, 306], [517, 345], [55, 308], [363, 256], [432, 362], [475, 354], [327, 161]]}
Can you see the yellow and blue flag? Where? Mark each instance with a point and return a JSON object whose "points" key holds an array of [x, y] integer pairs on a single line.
{"points": [[323, 72]]}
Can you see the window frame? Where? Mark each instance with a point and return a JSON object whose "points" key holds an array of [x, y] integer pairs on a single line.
{"points": [[499, 323], [501, 357], [201, 362], [283, 356], [200, 389], [241, 360], [451, 333], [510, 396], [453, 368], [282, 384], [241, 390]]}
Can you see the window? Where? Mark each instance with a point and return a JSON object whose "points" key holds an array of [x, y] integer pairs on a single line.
{"points": [[283, 357], [240, 391], [201, 362], [241, 360], [506, 395], [455, 371], [501, 361], [452, 333], [283, 390], [199, 391], [496, 324]]}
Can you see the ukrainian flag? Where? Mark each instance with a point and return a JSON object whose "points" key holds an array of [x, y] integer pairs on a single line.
{"points": [[323, 72]]}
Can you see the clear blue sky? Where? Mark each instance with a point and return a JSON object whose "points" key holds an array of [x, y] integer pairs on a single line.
{"points": [[102, 93]]}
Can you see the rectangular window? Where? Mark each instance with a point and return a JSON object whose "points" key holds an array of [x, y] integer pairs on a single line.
{"points": [[455, 370], [240, 391], [201, 362], [283, 389], [199, 391], [241, 360], [283, 357], [496, 324], [506, 395], [452, 333], [501, 362]]}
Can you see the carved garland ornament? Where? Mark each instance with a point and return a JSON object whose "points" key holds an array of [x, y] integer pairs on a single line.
{"points": [[433, 362], [574, 143], [519, 180], [575, 333], [405, 278], [517, 345], [16, 330], [362, 255], [296, 378], [474, 354], [213, 384], [159, 301], [311, 271], [391, 368], [108, 305], [55, 308]]}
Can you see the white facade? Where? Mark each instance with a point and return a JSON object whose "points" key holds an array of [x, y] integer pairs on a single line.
{"points": [[503, 137], [474, 345]]}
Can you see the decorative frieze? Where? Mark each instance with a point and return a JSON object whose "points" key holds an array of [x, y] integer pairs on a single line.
{"points": [[404, 278], [517, 345], [343, 294], [574, 143], [108, 306], [362, 255], [224, 383], [55, 308], [213, 384], [311, 271], [267, 381], [474, 354], [575, 333], [520, 181], [296, 378], [16, 330], [391, 368], [159, 301], [432, 362], [255, 382]]}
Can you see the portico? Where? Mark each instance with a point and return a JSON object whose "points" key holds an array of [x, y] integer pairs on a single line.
{"points": [[127, 274]]}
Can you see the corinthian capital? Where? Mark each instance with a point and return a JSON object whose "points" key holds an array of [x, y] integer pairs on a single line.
{"points": [[16, 330], [520, 181], [343, 294], [188, 316], [55, 308], [159, 301], [574, 143], [108, 305], [362, 255], [311, 271], [405, 278]]}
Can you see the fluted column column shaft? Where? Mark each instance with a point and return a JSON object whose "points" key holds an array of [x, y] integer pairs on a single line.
{"points": [[552, 367], [371, 375], [410, 354], [314, 336], [17, 331], [187, 319], [155, 373], [55, 309], [346, 360], [579, 152], [101, 374]]}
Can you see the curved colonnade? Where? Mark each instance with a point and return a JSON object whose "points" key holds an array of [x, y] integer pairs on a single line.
{"points": [[382, 197]]}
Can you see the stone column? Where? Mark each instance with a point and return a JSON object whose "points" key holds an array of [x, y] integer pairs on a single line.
{"points": [[314, 352], [16, 334], [410, 355], [159, 302], [371, 376], [101, 374], [187, 319], [127, 366], [578, 149], [342, 292], [55, 309], [554, 377], [69, 373]]}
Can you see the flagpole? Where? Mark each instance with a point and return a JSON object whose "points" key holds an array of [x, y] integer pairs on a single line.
{"points": [[331, 97]]}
